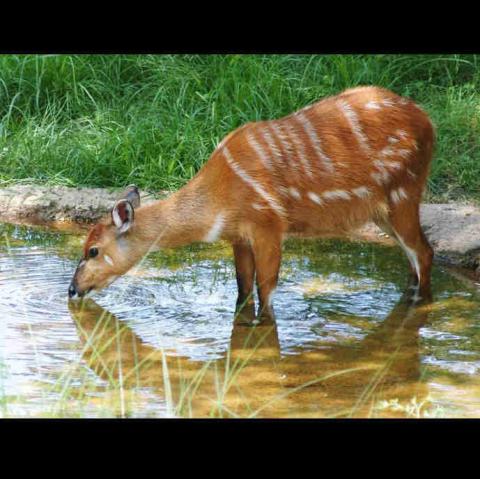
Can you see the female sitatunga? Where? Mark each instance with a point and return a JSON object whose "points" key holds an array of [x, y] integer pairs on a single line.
{"points": [[360, 156]]}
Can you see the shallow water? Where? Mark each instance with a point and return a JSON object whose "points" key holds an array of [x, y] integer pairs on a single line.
{"points": [[162, 341]]}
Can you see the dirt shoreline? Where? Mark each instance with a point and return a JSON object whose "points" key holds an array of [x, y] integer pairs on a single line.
{"points": [[453, 229]]}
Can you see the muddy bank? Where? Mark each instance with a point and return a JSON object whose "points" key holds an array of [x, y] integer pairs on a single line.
{"points": [[59, 204], [453, 229]]}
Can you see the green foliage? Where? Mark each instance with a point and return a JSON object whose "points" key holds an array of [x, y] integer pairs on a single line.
{"points": [[110, 120]]}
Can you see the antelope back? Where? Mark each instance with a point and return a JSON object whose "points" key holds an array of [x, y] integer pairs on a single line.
{"points": [[330, 166]]}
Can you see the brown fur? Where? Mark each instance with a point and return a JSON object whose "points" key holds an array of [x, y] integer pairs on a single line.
{"points": [[93, 237], [256, 222]]}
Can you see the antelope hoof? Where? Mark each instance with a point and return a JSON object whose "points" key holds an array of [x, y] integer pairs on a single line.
{"points": [[266, 316], [244, 313]]}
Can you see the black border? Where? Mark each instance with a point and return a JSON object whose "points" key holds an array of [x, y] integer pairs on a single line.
{"points": [[317, 436], [247, 29]]}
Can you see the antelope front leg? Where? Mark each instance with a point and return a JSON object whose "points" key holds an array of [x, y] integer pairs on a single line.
{"points": [[245, 272], [267, 251]]}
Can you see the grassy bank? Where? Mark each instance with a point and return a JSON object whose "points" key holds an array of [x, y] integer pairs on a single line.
{"points": [[154, 120]]}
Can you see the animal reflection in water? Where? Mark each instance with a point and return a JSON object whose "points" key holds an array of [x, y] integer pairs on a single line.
{"points": [[253, 378]]}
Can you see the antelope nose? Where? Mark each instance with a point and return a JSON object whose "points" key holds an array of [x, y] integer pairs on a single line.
{"points": [[71, 291]]}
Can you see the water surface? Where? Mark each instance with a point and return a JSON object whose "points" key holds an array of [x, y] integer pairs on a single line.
{"points": [[162, 341]]}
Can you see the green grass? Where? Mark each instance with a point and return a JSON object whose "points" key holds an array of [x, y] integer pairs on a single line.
{"points": [[111, 120]]}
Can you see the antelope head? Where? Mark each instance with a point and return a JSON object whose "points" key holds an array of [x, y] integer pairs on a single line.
{"points": [[108, 250]]}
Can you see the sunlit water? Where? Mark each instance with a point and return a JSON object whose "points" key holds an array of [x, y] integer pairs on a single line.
{"points": [[162, 341]]}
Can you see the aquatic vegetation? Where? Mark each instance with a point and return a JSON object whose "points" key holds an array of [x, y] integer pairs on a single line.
{"points": [[413, 408]]}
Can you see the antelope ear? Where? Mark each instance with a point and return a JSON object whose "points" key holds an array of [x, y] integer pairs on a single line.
{"points": [[122, 215], [132, 195]]}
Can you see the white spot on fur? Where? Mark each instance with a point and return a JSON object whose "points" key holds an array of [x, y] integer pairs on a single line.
{"points": [[267, 136], [243, 175], [107, 259], [295, 193], [352, 119], [387, 151], [315, 198], [257, 206], [394, 196], [377, 177], [401, 133], [286, 141], [216, 229], [282, 138], [402, 193], [411, 173], [394, 165], [300, 151], [361, 192], [411, 254], [336, 194], [316, 143], [270, 297], [372, 105], [387, 102], [382, 165], [379, 164], [251, 140], [404, 153], [393, 140], [382, 177], [398, 194]]}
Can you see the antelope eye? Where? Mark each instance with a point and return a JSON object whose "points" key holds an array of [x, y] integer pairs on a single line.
{"points": [[92, 252]]}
